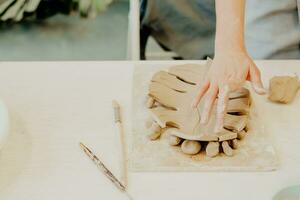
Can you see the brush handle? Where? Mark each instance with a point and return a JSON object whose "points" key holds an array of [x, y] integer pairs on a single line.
{"points": [[109, 175], [117, 112], [118, 121], [102, 167]]}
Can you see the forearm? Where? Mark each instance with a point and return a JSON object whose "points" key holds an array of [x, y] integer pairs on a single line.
{"points": [[230, 25], [231, 65]]}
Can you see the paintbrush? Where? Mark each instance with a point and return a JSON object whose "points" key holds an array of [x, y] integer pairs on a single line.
{"points": [[104, 169], [119, 125]]}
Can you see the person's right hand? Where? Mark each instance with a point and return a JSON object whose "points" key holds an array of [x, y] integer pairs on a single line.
{"points": [[228, 72]]}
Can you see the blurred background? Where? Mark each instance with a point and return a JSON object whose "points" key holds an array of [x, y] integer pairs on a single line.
{"points": [[55, 30], [64, 30]]}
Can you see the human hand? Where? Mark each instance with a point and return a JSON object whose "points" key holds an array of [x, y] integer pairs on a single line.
{"points": [[228, 72]]}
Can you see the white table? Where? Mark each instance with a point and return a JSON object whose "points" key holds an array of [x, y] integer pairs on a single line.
{"points": [[54, 105]]}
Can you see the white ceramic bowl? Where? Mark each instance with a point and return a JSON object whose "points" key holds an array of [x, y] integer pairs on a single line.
{"points": [[4, 124]]}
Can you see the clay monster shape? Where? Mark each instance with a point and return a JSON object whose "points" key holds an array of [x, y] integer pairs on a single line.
{"points": [[171, 94]]}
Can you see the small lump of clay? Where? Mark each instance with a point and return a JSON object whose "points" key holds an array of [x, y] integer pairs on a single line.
{"points": [[155, 128], [190, 147], [227, 149], [174, 140], [241, 134], [150, 102], [154, 136], [283, 89], [212, 149], [155, 131], [234, 144]]}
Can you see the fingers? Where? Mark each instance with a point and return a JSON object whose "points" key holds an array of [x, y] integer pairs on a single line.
{"points": [[222, 107], [209, 102], [201, 93], [255, 79]]}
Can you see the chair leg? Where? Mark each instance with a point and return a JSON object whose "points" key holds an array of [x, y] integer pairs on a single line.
{"points": [[144, 35]]}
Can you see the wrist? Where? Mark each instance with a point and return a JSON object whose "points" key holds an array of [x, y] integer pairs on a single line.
{"points": [[230, 37], [229, 46]]}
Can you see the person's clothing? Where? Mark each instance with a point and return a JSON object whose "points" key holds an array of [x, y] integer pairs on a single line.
{"points": [[187, 27], [273, 29]]}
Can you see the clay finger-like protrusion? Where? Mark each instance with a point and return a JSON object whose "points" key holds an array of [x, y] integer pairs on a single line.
{"points": [[150, 102], [212, 149], [226, 135], [241, 134], [234, 144], [238, 106], [155, 131], [174, 140], [227, 149], [170, 81], [190, 147], [163, 116], [240, 93], [235, 123], [165, 95], [189, 73]]}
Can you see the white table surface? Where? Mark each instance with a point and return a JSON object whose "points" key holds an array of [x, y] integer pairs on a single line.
{"points": [[54, 105]]}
